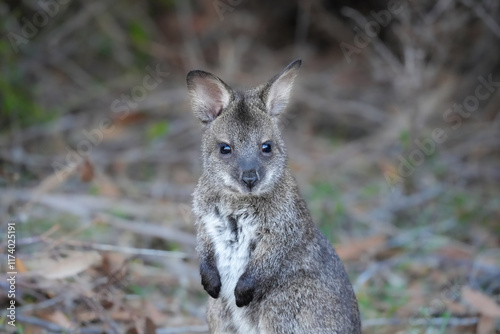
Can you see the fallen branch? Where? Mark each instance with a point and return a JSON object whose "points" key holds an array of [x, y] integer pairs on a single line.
{"points": [[180, 330], [454, 322], [38, 306], [54, 328], [149, 229], [129, 250]]}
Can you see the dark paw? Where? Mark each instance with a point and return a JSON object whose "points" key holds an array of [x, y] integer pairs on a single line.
{"points": [[210, 279], [245, 290]]}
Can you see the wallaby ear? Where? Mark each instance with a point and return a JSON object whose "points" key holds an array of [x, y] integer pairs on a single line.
{"points": [[209, 95], [277, 92]]}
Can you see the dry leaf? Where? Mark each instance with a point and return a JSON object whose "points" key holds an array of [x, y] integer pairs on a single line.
{"points": [[56, 317], [390, 171], [86, 171], [132, 330], [113, 265], [120, 315], [483, 303], [149, 327], [416, 299], [74, 263], [455, 308], [54, 180], [356, 248], [486, 325], [106, 186], [86, 316], [20, 267], [154, 314], [130, 119], [30, 329], [123, 315], [457, 251], [50, 183]]}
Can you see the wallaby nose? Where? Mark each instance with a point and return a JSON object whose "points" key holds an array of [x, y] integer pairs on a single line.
{"points": [[250, 178]]}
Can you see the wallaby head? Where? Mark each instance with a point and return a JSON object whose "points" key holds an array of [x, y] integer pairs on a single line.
{"points": [[242, 149]]}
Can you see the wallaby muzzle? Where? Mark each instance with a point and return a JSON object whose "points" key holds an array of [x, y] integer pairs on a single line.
{"points": [[249, 178]]}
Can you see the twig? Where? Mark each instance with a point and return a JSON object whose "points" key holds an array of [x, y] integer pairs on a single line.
{"points": [[82, 205], [383, 215], [378, 45], [110, 27], [63, 123], [439, 8], [149, 229], [405, 202], [330, 22], [353, 108], [79, 75], [60, 203], [37, 238], [483, 14], [376, 267], [130, 250], [38, 306], [181, 330], [454, 322], [76, 22], [96, 306], [303, 22], [192, 46], [54, 328], [49, 184]]}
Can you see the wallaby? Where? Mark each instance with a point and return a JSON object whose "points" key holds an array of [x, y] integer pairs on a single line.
{"points": [[265, 264]]}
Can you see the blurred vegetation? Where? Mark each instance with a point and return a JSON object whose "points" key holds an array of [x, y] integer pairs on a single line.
{"points": [[73, 98]]}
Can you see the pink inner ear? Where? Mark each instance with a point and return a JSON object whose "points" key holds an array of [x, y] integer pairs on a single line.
{"points": [[279, 93], [211, 96]]}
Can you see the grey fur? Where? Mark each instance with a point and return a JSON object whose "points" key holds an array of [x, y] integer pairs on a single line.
{"points": [[266, 266]]}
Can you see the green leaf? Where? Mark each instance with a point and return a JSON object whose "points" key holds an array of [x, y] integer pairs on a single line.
{"points": [[137, 33], [158, 130], [404, 138]]}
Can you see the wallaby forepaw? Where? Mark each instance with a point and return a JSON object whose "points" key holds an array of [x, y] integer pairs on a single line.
{"points": [[210, 279], [244, 291]]}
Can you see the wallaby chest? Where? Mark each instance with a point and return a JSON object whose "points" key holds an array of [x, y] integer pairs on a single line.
{"points": [[234, 237]]}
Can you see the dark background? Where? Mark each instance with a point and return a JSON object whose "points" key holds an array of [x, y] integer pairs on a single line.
{"points": [[96, 170]]}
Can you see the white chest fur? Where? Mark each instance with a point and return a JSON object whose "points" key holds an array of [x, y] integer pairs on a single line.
{"points": [[232, 236]]}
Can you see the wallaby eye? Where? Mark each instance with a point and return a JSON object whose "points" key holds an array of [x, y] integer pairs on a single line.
{"points": [[267, 147], [225, 148]]}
